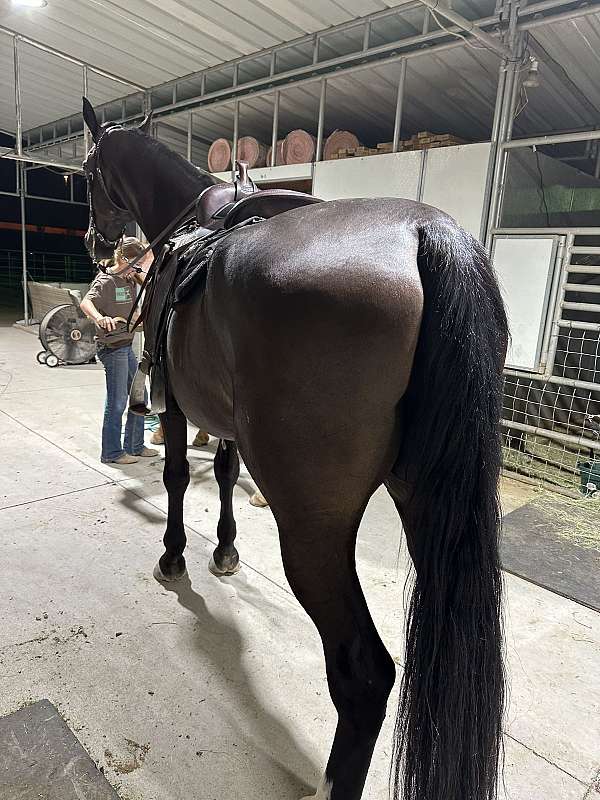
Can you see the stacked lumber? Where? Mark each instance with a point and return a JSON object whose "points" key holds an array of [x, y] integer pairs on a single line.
{"points": [[421, 141], [299, 147], [354, 152], [339, 141]]}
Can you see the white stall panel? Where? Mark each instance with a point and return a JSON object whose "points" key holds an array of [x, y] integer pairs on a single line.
{"points": [[455, 182], [525, 268], [389, 175]]}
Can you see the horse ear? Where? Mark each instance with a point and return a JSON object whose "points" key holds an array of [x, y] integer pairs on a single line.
{"points": [[89, 115], [145, 126]]}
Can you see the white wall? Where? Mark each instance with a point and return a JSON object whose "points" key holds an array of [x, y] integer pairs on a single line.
{"points": [[453, 179], [455, 182], [389, 175]]}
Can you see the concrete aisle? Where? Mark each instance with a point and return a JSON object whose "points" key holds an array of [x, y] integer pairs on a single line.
{"points": [[215, 690]]}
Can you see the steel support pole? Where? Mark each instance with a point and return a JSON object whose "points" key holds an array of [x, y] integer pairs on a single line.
{"points": [[18, 109], [86, 133], [22, 191], [275, 128], [190, 130], [321, 122], [236, 133], [489, 182], [399, 105]]}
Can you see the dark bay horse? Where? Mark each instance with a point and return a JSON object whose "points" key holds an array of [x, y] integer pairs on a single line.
{"points": [[375, 329]]}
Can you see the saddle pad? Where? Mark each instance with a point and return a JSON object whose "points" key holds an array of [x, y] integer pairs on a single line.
{"points": [[192, 269]]}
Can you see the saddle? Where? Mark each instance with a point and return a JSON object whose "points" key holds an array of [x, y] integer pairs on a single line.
{"points": [[224, 205], [182, 266]]}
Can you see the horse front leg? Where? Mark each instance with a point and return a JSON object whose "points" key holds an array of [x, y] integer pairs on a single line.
{"points": [[226, 560], [176, 477]]}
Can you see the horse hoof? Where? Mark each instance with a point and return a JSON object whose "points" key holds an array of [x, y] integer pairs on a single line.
{"points": [[202, 438], [223, 573], [162, 578], [258, 500]]}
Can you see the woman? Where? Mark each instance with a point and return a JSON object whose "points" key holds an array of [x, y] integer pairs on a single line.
{"points": [[108, 303]]}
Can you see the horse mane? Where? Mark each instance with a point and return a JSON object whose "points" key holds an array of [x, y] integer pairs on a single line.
{"points": [[176, 160]]}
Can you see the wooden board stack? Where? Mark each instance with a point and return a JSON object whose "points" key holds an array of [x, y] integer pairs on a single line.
{"points": [[421, 141]]}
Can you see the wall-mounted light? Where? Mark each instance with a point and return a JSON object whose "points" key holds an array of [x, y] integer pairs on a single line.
{"points": [[29, 3], [532, 81]]}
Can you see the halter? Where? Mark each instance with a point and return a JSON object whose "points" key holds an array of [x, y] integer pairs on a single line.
{"points": [[117, 210]]}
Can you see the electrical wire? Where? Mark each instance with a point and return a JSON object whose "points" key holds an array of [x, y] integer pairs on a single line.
{"points": [[458, 35], [542, 188], [523, 103]]}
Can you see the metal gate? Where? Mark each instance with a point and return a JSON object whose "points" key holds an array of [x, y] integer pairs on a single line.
{"points": [[551, 420]]}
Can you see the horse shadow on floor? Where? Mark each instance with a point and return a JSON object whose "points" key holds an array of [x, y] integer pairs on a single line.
{"points": [[222, 643]]}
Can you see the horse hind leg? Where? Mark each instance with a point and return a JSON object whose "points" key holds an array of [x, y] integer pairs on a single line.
{"points": [[319, 564]]}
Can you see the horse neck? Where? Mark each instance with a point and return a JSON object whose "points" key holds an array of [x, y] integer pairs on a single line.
{"points": [[156, 185]]}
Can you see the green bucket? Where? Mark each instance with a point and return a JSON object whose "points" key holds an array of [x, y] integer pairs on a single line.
{"points": [[589, 472]]}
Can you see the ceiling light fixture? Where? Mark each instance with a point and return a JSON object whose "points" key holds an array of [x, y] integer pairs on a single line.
{"points": [[30, 3]]}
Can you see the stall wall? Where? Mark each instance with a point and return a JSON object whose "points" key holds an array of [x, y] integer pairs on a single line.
{"points": [[450, 178], [390, 175], [454, 181]]}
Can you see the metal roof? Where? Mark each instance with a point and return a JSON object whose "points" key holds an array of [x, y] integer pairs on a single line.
{"points": [[452, 90], [149, 42]]}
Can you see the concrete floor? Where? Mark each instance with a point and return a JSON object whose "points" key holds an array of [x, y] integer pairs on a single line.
{"points": [[215, 690]]}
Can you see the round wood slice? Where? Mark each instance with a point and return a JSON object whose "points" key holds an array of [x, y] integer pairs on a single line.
{"points": [[219, 155], [251, 150], [339, 140], [278, 154], [299, 147]]}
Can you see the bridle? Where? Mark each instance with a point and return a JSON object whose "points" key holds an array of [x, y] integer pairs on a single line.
{"points": [[116, 210]]}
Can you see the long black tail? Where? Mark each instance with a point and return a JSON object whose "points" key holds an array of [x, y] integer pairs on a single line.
{"points": [[448, 731]]}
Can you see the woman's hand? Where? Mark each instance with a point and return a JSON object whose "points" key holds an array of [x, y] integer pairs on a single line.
{"points": [[107, 323]]}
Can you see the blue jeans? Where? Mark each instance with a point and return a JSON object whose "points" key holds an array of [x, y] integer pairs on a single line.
{"points": [[120, 365]]}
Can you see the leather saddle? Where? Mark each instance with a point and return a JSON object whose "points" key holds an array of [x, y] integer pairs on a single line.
{"points": [[224, 205]]}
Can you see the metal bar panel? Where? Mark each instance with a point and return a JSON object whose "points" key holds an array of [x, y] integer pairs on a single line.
{"points": [[86, 133], [591, 251], [585, 270], [24, 247], [72, 59], [581, 306], [27, 159], [275, 128], [574, 231], [559, 296], [578, 441], [321, 122], [579, 326], [18, 108], [399, 105], [582, 287], [468, 26], [236, 133], [559, 138], [190, 130]]}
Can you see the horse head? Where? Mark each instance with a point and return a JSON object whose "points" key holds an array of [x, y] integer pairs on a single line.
{"points": [[108, 211]]}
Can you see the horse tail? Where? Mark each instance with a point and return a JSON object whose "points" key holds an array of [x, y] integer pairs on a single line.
{"points": [[447, 740]]}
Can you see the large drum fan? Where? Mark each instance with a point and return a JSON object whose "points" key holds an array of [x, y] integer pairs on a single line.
{"points": [[67, 337]]}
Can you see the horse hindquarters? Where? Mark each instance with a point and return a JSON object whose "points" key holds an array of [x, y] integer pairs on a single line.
{"points": [[317, 422], [448, 732]]}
